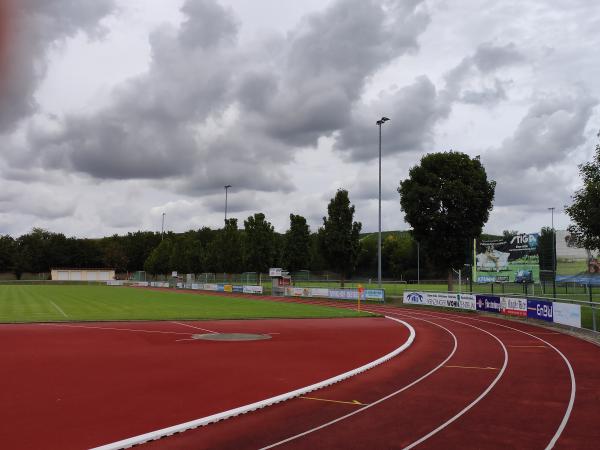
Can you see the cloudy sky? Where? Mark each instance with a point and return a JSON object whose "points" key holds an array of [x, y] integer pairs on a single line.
{"points": [[115, 111]]}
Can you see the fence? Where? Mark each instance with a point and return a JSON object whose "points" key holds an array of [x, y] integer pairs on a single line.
{"points": [[565, 311]]}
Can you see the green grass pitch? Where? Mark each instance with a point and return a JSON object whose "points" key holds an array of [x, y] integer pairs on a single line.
{"points": [[90, 303]]}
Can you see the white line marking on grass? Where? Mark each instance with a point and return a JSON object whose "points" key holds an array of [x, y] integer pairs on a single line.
{"points": [[153, 435], [59, 309], [111, 329], [376, 402], [197, 328]]}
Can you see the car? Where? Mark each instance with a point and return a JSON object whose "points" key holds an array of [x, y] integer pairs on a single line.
{"points": [[524, 276]]}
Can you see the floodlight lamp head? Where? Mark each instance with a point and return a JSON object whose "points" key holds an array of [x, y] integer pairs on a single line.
{"points": [[382, 121], [227, 186]]}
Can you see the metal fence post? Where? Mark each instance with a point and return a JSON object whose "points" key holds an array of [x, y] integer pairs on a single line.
{"points": [[592, 306]]}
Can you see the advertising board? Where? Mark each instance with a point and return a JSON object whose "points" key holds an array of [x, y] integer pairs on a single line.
{"points": [[374, 294], [467, 301], [253, 289], [514, 259], [489, 303], [238, 288], [295, 292], [539, 309], [227, 288], [210, 287], [343, 294], [415, 298], [513, 306], [567, 314], [220, 288], [319, 292], [275, 272]]}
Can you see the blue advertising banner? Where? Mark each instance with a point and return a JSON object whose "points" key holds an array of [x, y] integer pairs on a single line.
{"points": [[220, 288], [539, 309], [373, 294], [238, 288], [489, 303]]}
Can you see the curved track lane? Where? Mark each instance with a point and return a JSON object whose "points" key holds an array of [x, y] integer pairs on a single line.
{"points": [[459, 397]]}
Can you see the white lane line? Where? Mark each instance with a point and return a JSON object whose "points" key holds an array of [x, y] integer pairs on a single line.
{"points": [[376, 402], [110, 328], [474, 402], [59, 309], [153, 435], [569, 409], [197, 328]]}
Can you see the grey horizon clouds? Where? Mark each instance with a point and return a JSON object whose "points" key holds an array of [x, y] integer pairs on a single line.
{"points": [[213, 108]]}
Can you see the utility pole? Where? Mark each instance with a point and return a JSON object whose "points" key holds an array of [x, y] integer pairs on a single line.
{"points": [[379, 123], [162, 229], [553, 255], [227, 186]]}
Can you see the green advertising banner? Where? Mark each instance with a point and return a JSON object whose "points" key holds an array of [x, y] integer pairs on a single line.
{"points": [[514, 260]]}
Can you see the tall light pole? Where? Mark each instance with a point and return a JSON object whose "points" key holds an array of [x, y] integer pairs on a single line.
{"points": [[379, 123], [553, 255], [162, 229], [227, 186]]}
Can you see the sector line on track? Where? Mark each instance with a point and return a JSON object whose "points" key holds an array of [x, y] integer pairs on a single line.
{"points": [[399, 391], [571, 402]]}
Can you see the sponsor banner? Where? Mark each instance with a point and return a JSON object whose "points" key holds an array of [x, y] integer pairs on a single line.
{"points": [[295, 292], [238, 288], [318, 292], [567, 314], [211, 287], [513, 306], [275, 272], [343, 294], [514, 259], [196, 286], [220, 288], [180, 285], [373, 294], [114, 283], [539, 309], [415, 298], [227, 288], [253, 289], [467, 301], [489, 303], [441, 299]]}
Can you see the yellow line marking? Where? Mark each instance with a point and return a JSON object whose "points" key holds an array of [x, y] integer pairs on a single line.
{"points": [[472, 367], [527, 346], [353, 402]]}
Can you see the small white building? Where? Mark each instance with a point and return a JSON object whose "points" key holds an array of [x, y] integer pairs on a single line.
{"points": [[82, 274]]}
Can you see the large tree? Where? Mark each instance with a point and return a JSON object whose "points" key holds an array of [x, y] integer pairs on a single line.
{"points": [[447, 199], [226, 250], [585, 210], [7, 253], [339, 236], [259, 243], [296, 255]]}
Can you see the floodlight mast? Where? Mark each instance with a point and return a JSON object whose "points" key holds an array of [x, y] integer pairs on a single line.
{"points": [[162, 229], [553, 254], [227, 186], [379, 123]]}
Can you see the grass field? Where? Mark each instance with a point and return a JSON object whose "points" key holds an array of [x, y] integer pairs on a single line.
{"points": [[88, 303]]}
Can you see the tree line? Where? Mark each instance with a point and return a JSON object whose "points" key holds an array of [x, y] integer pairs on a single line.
{"points": [[336, 246]]}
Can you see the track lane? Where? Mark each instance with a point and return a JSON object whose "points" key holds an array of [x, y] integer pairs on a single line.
{"points": [[262, 428]]}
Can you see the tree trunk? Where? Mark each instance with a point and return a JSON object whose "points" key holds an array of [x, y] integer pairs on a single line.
{"points": [[342, 280], [450, 281]]}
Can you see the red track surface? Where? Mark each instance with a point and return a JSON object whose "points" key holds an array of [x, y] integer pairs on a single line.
{"points": [[505, 385], [74, 386]]}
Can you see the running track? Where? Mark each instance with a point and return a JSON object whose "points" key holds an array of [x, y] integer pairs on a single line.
{"points": [[468, 381]]}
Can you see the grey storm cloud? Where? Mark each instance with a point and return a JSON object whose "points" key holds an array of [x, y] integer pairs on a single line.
{"points": [[417, 108], [413, 110], [288, 91], [552, 128], [326, 62], [480, 68], [38, 26]]}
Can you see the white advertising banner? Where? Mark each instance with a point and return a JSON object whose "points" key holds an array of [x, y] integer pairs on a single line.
{"points": [[513, 306], [442, 299], [319, 292], [296, 292], [209, 287], [567, 314], [253, 289]]}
